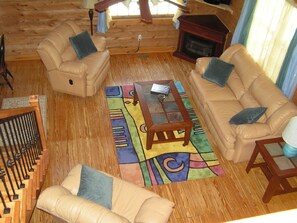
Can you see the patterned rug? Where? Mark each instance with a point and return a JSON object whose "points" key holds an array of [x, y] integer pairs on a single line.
{"points": [[166, 162]]}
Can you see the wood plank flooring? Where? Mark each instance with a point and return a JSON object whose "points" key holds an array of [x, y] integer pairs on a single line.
{"points": [[79, 131]]}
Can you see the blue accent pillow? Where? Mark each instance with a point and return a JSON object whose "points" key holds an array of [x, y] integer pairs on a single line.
{"points": [[248, 115], [82, 44], [95, 186], [218, 71]]}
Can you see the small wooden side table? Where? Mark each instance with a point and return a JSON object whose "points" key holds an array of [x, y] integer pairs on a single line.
{"points": [[276, 167]]}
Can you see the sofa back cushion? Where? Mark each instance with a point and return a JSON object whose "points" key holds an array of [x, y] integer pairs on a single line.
{"points": [[246, 67], [245, 72], [68, 54], [53, 46], [249, 101], [235, 84]]}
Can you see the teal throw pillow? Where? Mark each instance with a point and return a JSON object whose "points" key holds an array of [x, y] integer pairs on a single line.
{"points": [[95, 186], [248, 115], [82, 44], [218, 71]]}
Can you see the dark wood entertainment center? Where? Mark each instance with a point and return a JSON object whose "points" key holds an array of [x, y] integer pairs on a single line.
{"points": [[199, 36]]}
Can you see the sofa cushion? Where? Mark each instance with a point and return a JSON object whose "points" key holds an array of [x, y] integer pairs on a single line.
{"points": [[95, 186], [219, 113], [247, 69], [249, 101], [69, 54], [247, 116], [218, 71], [235, 84], [209, 91], [95, 62], [83, 44], [128, 207]]}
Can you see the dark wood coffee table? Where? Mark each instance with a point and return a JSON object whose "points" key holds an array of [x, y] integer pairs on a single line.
{"points": [[162, 118], [276, 167]]}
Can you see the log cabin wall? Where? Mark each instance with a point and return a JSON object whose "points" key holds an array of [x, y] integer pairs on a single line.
{"points": [[25, 23], [230, 19]]}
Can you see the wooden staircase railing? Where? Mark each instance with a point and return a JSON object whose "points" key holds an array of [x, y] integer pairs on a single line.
{"points": [[23, 161]]}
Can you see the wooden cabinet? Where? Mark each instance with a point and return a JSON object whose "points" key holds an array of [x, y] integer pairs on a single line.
{"points": [[199, 36]]}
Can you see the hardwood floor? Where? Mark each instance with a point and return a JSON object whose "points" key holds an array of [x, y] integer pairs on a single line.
{"points": [[79, 131]]}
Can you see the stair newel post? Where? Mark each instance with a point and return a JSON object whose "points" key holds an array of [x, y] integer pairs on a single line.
{"points": [[34, 103], [30, 120]]}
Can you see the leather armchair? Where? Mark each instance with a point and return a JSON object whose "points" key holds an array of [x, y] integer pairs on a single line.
{"points": [[130, 203], [66, 72]]}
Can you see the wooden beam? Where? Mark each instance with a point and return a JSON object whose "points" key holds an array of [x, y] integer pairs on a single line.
{"points": [[104, 4], [185, 9], [145, 11]]}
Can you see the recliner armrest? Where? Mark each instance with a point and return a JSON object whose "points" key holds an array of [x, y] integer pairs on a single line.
{"points": [[73, 67], [100, 43], [149, 214], [251, 131], [59, 202]]}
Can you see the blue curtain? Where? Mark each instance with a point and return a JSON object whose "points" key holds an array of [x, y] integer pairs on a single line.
{"points": [[244, 24], [102, 22], [287, 78]]}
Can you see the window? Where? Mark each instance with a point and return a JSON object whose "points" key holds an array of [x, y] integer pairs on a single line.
{"points": [[272, 29], [161, 8]]}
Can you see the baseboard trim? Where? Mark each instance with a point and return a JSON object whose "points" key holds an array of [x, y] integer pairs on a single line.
{"points": [[113, 51]]}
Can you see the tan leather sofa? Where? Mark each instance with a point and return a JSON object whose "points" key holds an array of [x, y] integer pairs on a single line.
{"points": [[130, 203], [247, 86], [66, 72]]}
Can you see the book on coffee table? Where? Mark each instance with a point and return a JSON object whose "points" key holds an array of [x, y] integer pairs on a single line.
{"points": [[160, 89]]}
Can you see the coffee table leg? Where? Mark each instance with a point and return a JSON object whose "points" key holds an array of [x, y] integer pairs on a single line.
{"points": [[135, 98], [149, 139], [274, 182], [187, 136]]}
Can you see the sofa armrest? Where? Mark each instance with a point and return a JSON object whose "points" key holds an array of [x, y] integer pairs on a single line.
{"points": [[201, 64], [154, 210], [251, 131], [73, 67], [100, 43], [59, 202], [280, 118], [49, 197]]}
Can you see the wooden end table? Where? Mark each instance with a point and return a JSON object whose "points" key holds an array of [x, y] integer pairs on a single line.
{"points": [[276, 167], [162, 117]]}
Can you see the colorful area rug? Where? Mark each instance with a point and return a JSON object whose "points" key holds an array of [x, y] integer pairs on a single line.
{"points": [[165, 162]]}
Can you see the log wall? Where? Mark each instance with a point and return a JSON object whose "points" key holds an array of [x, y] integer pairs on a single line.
{"points": [[25, 23]]}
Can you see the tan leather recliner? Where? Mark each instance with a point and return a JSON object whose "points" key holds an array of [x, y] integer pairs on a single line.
{"points": [[130, 203], [66, 72]]}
